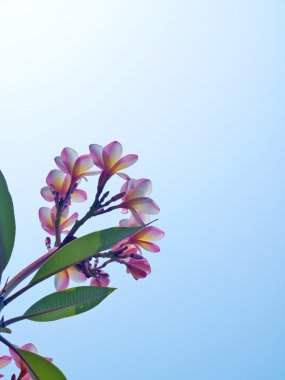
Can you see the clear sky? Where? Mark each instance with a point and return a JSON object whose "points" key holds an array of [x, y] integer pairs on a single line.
{"points": [[196, 88]]}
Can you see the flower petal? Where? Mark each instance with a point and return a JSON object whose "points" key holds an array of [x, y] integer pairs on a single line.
{"points": [[5, 360], [78, 196], [124, 162], [47, 194], [96, 154], [139, 268], [55, 179], [124, 176], [61, 280], [151, 247], [69, 157], [149, 234], [139, 188], [76, 275], [60, 165], [68, 222], [82, 165], [144, 204], [30, 347], [111, 154], [100, 281], [45, 217]]}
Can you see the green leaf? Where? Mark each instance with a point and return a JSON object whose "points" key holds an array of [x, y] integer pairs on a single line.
{"points": [[67, 303], [7, 224], [81, 249], [39, 367], [5, 330]]}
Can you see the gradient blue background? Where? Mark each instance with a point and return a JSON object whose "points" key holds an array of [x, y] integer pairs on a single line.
{"points": [[197, 89]]}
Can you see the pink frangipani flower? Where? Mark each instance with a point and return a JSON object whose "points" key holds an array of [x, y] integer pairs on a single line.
{"points": [[146, 237], [109, 159], [59, 184], [76, 166], [101, 280], [61, 279], [24, 374], [48, 216], [138, 268], [136, 198]]}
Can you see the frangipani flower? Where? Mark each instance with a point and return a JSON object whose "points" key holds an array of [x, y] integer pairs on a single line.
{"points": [[24, 372], [48, 216], [76, 166], [59, 184], [24, 375], [136, 198], [145, 238], [139, 268], [4, 361], [109, 159], [101, 280], [61, 279]]}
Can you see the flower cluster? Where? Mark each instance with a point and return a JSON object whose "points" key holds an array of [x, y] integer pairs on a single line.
{"points": [[24, 372], [134, 196]]}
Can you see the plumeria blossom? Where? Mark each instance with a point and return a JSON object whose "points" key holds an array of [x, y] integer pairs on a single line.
{"points": [[137, 266], [144, 238], [136, 198], [102, 279], [76, 166], [48, 216], [61, 279], [109, 159], [59, 184], [24, 372], [4, 361]]}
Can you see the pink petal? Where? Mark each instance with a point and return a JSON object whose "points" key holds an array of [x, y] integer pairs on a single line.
{"points": [[140, 188], [27, 376], [69, 157], [15, 357], [133, 222], [144, 204], [49, 230], [82, 165], [65, 185], [149, 234], [139, 268], [124, 176], [68, 222], [4, 361], [100, 281], [64, 213], [61, 165], [55, 179], [76, 275], [124, 162], [96, 154], [111, 154], [78, 196], [47, 194], [151, 247], [61, 280], [124, 223], [30, 347], [45, 217]]}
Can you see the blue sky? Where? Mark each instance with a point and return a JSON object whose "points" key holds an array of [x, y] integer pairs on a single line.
{"points": [[196, 89]]}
